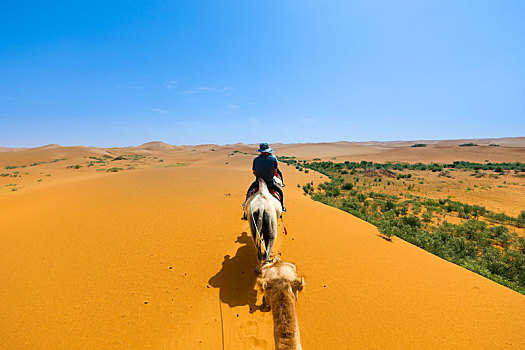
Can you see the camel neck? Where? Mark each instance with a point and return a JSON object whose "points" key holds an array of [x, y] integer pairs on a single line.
{"points": [[286, 330]]}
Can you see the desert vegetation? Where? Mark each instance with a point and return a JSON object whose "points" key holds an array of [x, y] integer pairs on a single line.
{"points": [[470, 235], [105, 163]]}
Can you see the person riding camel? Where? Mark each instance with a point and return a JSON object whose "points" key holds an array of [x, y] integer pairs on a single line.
{"points": [[265, 166]]}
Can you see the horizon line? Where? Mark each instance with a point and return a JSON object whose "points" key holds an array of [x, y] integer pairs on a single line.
{"points": [[273, 143]]}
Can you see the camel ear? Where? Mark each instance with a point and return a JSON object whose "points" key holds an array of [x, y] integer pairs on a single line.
{"points": [[261, 283], [298, 284]]}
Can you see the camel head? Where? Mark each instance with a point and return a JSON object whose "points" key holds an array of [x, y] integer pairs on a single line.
{"points": [[280, 274]]}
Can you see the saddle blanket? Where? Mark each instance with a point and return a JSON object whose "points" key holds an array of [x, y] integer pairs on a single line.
{"points": [[273, 193]]}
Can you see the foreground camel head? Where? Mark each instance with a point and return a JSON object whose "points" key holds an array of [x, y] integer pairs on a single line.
{"points": [[280, 285], [279, 273]]}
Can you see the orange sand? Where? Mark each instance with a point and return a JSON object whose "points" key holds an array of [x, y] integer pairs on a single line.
{"points": [[159, 258]]}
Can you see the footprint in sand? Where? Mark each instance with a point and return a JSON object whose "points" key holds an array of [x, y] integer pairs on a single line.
{"points": [[247, 329], [256, 344], [248, 334]]}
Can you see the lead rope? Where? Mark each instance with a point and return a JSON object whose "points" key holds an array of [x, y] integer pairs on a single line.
{"points": [[257, 230], [285, 231]]}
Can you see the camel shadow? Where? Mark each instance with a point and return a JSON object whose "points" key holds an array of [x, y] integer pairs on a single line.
{"points": [[237, 276]]}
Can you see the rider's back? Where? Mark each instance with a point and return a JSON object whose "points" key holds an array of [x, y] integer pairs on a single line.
{"points": [[264, 166]]}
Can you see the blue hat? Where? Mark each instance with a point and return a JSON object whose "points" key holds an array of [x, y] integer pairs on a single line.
{"points": [[264, 147]]}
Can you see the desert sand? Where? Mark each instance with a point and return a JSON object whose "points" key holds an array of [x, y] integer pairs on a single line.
{"points": [[157, 257]]}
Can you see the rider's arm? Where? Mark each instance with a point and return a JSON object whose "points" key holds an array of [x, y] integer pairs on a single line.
{"points": [[275, 172]]}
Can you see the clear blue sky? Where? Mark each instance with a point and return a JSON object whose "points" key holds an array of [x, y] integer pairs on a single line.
{"points": [[117, 73]]}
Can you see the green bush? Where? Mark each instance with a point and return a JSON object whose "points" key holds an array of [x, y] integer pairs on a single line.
{"points": [[347, 186], [521, 219], [427, 216]]}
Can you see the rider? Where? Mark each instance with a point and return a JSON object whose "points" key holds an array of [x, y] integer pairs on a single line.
{"points": [[265, 167]]}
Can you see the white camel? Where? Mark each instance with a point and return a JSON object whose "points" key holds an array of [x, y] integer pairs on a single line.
{"points": [[262, 211], [280, 285]]}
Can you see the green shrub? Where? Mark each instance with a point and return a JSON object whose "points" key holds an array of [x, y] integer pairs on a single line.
{"points": [[427, 216], [347, 186], [521, 219], [388, 205]]}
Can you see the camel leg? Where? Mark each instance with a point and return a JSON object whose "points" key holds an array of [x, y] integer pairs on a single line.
{"points": [[257, 245], [269, 239], [260, 255], [269, 249]]}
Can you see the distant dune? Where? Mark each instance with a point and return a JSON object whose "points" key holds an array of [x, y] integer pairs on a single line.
{"points": [[502, 149], [8, 149], [507, 149], [157, 146], [50, 146], [154, 254]]}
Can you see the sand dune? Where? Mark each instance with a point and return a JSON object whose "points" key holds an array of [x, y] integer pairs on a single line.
{"points": [[442, 151], [47, 154], [157, 146], [9, 149], [158, 257]]}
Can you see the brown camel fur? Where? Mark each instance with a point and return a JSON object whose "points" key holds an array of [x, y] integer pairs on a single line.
{"points": [[280, 285]]}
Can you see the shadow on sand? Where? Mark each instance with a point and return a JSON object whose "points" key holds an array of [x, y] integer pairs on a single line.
{"points": [[236, 278]]}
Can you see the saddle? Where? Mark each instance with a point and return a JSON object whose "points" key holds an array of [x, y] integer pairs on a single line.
{"points": [[272, 192]]}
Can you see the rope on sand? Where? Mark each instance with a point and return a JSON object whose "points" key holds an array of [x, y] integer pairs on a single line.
{"points": [[222, 322]]}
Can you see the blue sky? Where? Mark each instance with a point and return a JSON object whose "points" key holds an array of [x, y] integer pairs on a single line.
{"points": [[118, 73]]}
